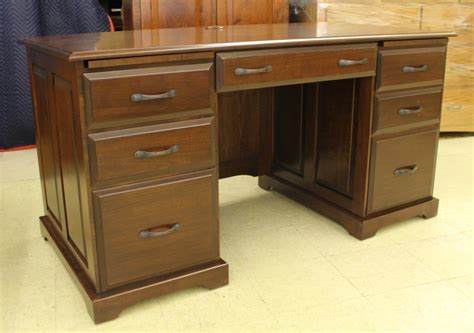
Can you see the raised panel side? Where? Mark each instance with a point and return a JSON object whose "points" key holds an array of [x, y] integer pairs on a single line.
{"points": [[69, 161], [47, 141]]}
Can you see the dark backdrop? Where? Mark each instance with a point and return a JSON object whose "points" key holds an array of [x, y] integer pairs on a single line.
{"points": [[20, 18]]}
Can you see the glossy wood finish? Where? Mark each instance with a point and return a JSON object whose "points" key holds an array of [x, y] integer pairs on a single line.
{"points": [[331, 147], [109, 94], [122, 213], [64, 175], [392, 63], [238, 37], [417, 154], [297, 65], [407, 109], [114, 160], [244, 122]]}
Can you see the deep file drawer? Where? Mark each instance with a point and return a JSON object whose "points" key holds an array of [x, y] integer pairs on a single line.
{"points": [[256, 69], [154, 228], [146, 152], [147, 94], [402, 169], [407, 68], [407, 109]]}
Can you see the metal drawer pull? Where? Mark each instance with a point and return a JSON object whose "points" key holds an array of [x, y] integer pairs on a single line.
{"points": [[141, 154], [142, 98], [407, 111], [145, 234], [405, 170], [247, 71], [410, 69], [215, 27], [345, 62]]}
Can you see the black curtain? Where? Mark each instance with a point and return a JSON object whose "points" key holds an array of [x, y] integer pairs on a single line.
{"points": [[19, 18]]}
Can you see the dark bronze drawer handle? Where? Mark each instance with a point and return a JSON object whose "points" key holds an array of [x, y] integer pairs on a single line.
{"points": [[410, 69], [248, 71], [408, 111], [146, 234], [405, 170], [142, 98], [346, 62], [141, 154]]}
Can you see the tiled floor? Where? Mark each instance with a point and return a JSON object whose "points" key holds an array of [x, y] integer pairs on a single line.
{"points": [[291, 269]]}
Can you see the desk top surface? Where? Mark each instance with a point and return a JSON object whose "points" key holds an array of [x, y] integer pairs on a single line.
{"points": [[167, 41]]}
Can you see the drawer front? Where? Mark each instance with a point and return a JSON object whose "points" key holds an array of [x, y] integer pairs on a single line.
{"points": [[157, 228], [146, 152], [406, 68], [256, 69], [138, 95], [402, 170], [407, 109]]}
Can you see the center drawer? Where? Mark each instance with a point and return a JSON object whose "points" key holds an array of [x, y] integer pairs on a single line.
{"points": [[147, 230], [145, 152], [257, 69]]}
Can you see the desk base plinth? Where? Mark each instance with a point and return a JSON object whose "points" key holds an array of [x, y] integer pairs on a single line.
{"points": [[106, 306], [359, 227]]}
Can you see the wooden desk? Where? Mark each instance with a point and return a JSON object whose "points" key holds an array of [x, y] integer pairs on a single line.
{"points": [[134, 129]]}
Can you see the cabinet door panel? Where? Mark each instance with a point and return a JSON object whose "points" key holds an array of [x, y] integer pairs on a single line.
{"points": [[232, 12], [156, 14], [48, 153]]}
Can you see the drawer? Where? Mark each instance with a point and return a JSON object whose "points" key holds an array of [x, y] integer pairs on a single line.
{"points": [[405, 68], [145, 152], [156, 228], [402, 170], [407, 109], [139, 95], [257, 69]]}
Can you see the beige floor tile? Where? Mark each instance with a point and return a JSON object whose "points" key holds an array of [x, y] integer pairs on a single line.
{"points": [[19, 165], [352, 315], [464, 284], [297, 284], [436, 307], [27, 293], [449, 256], [374, 271]]}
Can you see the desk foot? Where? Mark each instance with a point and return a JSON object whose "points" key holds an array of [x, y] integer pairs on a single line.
{"points": [[357, 226], [108, 305]]}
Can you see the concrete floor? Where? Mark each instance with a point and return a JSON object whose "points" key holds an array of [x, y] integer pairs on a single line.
{"points": [[290, 268]]}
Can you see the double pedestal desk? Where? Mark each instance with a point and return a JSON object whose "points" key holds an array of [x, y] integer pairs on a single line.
{"points": [[135, 128]]}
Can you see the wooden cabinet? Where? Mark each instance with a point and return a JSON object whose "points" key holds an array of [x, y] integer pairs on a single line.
{"points": [[231, 12], [153, 14], [156, 14]]}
